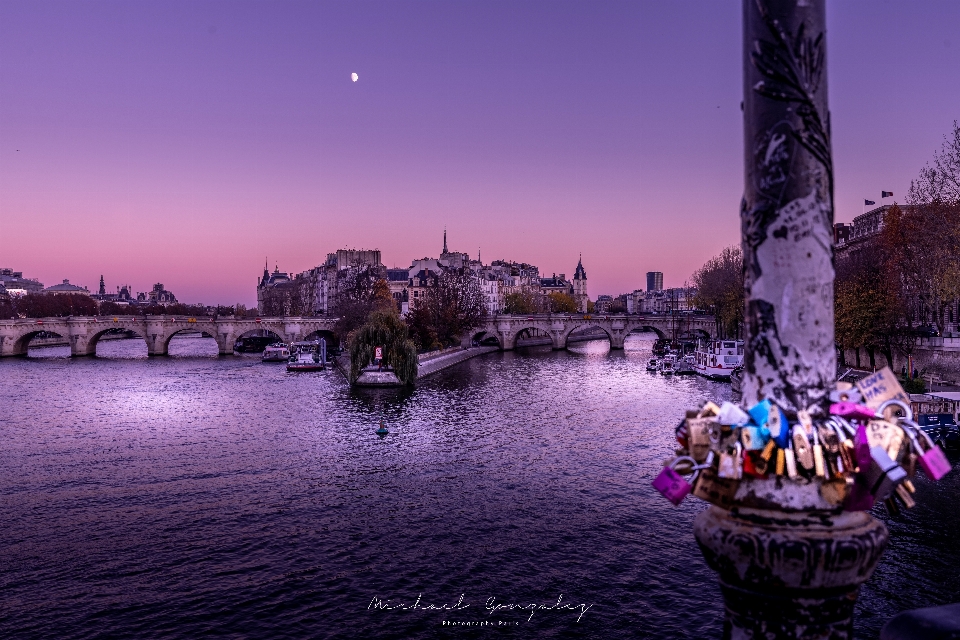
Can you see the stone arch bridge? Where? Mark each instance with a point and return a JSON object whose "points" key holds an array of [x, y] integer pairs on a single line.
{"points": [[83, 333], [506, 329]]}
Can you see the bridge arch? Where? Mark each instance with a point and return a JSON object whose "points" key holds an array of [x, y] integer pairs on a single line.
{"points": [[510, 339], [330, 336], [486, 339], [643, 328], [94, 339], [267, 334], [222, 346], [565, 336], [21, 343]]}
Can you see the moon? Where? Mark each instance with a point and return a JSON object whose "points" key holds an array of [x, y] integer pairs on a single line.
{"points": [[354, 77]]}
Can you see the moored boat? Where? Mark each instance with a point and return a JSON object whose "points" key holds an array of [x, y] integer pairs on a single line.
{"points": [[307, 356], [718, 358], [277, 352], [653, 364], [667, 364], [686, 366]]}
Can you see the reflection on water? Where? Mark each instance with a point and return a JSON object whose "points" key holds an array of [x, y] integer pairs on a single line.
{"points": [[194, 495]]}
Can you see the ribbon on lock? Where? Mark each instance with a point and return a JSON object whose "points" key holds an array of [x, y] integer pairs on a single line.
{"points": [[853, 411]]}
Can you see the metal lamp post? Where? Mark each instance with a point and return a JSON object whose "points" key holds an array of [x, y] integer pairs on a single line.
{"points": [[790, 561]]}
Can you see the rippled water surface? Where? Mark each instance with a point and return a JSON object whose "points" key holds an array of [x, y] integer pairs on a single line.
{"points": [[196, 496]]}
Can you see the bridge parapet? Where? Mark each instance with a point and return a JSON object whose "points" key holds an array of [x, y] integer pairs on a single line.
{"points": [[83, 333], [506, 328]]}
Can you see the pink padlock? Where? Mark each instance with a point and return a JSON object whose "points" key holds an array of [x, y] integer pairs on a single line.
{"points": [[852, 411], [861, 448], [671, 484], [859, 497], [933, 460]]}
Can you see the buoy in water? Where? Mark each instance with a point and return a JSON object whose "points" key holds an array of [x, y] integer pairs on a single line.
{"points": [[382, 431]]}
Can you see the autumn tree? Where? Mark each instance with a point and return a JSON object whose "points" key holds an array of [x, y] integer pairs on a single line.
{"points": [[451, 307], [44, 305], [719, 285], [384, 328], [562, 302], [524, 301]]}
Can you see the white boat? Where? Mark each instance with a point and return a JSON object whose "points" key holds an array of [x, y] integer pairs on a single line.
{"points": [[686, 366], [717, 358], [667, 364], [653, 364], [276, 353], [307, 356]]}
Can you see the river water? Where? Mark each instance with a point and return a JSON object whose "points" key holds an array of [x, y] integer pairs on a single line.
{"points": [[195, 496]]}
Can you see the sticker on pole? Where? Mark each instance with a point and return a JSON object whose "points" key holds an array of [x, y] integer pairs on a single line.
{"points": [[881, 386], [378, 354]]}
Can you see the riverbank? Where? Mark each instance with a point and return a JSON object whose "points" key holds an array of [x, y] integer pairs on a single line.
{"points": [[427, 365]]}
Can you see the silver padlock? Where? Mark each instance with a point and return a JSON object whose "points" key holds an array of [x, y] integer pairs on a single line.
{"points": [[731, 463], [883, 474]]}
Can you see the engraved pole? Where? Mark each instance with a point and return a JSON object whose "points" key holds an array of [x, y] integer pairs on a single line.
{"points": [[790, 560]]}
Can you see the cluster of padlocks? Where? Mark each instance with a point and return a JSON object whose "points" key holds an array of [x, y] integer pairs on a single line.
{"points": [[864, 452]]}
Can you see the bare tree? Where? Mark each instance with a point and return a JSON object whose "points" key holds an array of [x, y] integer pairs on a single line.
{"points": [[940, 182], [719, 285]]}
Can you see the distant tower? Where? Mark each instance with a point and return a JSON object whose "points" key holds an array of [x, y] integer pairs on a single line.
{"points": [[654, 280], [444, 240], [580, 286], [103, 289]]}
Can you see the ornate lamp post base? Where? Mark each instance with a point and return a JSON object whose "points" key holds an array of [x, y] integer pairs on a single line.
{"points": [[789, 574]]}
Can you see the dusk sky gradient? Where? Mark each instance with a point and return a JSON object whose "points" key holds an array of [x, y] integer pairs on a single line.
{"points": [[182, 142]]}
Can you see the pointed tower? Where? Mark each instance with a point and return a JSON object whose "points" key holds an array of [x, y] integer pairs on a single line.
{"points": [[103, 289], [580, 286], [444, 240]]}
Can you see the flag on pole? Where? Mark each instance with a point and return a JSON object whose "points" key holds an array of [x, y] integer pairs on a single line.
{"points": [[867, 203], [886, 194]]}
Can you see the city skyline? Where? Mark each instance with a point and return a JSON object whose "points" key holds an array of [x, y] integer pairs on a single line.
{"points": [[182, 142]]}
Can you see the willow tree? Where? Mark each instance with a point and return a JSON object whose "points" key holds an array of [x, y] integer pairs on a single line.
{"points": [[384, 328]]}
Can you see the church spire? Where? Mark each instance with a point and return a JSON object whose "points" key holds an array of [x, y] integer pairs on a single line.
{"points": [[445, 240]]}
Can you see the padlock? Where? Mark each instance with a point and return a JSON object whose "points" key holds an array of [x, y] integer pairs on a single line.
{"points": [[803, 417], [754, 465], [859, 497], [852, 411], [831, 448], [754, 438], [702, 434], [932, 460], [732, 415], [801, 448], [759, 413], [767, 452], [708, 410], [790, 461], [681, 434], [781, 462], [845, 392], [713, 489], [882, 474], [895, 409], [861, 448], [731, 462], [905, 497], [818, 463], [671, 484], [890, 436], [778, 427]]}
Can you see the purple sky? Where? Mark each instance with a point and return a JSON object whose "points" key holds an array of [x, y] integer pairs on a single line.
{"points": [[182, 142]]}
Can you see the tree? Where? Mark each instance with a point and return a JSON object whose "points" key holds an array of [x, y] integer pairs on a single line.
{"points": [[522, 302], [354, 298], [920, 246], [562, 302], [385, 329], [43, 305], [451, 307], [941, 181], [719, 285]]}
